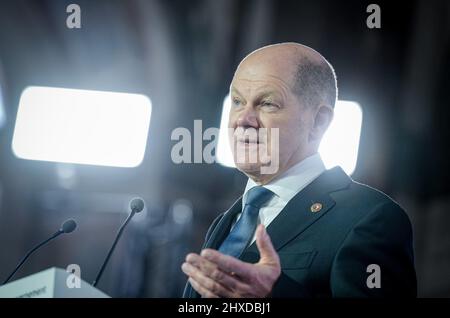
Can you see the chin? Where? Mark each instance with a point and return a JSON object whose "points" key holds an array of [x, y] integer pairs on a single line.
{"points": [[249, 168]]}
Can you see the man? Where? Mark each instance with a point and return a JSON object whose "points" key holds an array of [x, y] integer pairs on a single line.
{"points": [[327, 236]]}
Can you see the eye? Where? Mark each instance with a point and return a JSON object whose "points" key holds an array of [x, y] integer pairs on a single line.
{"points": [[236, 102], [269, 105]]}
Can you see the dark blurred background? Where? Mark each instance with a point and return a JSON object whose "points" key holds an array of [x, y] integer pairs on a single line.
{"points": [[182, 54]]}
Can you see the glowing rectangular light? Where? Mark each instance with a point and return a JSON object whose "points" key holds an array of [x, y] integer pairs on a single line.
{"points": [[339, 145], [224, 155], [82, 126]]}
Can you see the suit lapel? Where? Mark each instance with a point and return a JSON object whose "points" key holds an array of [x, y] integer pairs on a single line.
{"points": [[222, 228], [297, 215]]}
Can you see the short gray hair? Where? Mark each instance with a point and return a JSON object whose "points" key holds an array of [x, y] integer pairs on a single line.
{"points": [[315, 82]]}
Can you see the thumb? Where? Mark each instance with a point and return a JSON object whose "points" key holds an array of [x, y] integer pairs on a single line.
{"points": [[265, 247]]}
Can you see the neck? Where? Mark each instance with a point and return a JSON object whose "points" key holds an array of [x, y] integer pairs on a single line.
{"points": [[262, 179]]}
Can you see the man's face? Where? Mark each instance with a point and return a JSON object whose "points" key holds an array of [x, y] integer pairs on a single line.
{"points": [[261, 97]]}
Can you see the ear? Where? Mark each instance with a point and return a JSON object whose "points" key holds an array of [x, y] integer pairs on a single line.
{"points": [[322, 119]]}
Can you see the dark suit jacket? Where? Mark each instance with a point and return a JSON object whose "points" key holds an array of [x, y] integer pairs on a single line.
{"points": [[327, 253]]}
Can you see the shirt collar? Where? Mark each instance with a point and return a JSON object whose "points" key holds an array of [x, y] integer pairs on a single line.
{"points": [[293, 180]]}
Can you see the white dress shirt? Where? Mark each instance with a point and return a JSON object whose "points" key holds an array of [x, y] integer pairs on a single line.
{"points": [[285, 187]]}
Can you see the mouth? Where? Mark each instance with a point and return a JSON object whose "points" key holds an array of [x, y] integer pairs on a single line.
{"points": [[249, 137], [248, 141], [248, 144]]}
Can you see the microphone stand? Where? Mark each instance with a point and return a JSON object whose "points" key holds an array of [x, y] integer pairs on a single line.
{"points": [[118, 235], [31, 252]]}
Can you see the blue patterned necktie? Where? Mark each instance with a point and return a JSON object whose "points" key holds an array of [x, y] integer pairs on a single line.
{"points": [[245, 227]]}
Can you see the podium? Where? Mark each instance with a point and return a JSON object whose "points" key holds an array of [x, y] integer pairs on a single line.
{"points": [[50, 283]]}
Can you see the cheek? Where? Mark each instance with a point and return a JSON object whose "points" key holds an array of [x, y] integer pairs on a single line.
{"points": [[231, 123], [292, 134], [231, 119]]}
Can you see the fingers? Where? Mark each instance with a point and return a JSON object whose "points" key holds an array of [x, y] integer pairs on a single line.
{"points": [[215, 273], [228, 264], [203, 284], [265, 247], [201, 290]]}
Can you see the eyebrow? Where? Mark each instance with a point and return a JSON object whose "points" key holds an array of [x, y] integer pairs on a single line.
{"points": [[268, 94], [260, 96], [235, 90]]}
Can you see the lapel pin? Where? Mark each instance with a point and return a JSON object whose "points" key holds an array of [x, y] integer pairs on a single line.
{"points": [[316, 207]]}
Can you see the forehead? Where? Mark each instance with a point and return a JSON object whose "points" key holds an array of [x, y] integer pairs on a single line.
{"points": [[253, 77]]}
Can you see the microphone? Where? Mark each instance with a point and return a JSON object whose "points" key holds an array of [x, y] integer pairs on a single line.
{"points": [[136, 206], [67, 227]]}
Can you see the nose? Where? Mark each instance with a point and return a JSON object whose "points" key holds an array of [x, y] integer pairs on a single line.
{"points": [[248, 118]]}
